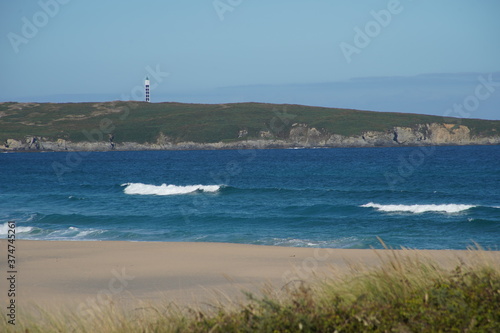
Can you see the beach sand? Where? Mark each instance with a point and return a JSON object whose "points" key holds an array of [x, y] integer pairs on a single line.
{"points": [[75, 274]]}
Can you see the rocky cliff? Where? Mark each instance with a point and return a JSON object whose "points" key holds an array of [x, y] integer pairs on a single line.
{"points": [[299, 135]]}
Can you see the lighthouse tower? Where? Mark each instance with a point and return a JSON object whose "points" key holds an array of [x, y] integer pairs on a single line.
{"points": [[146, 88]]}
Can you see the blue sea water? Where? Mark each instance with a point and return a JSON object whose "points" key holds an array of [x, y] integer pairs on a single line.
{"points": [[415, 197]]}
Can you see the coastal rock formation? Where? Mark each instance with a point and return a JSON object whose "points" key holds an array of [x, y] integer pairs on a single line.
{"points": [[448, 133], [438, 134], [405, 135], [13, 144], [378, 138], [302, 134], [164, 141], [178, 126], [299, 135], [337, 140]]}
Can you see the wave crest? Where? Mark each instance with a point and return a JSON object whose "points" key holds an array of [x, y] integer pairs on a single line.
{"points": [[164, 189], [4, 229], [446, 208]]}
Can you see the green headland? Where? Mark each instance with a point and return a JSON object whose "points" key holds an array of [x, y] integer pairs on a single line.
{"points": [[136, 125]]}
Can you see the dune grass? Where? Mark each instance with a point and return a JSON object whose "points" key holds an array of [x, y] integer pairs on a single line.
{"points": [[407, 293]]}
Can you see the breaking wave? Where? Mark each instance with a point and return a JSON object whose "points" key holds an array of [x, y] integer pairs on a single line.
{"points": [[164, 189], [417, 209], [4, 229]]}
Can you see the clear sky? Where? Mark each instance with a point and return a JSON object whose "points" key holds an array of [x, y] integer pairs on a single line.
{"points": [[242, 50]]}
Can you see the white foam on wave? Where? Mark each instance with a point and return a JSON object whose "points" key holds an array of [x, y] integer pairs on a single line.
{"points": [[417, 209], [164, 189], [4, 229], [73, 233], [343, 242]]}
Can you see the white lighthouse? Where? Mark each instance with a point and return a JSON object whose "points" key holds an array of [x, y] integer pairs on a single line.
{"points": [[146, 88]]}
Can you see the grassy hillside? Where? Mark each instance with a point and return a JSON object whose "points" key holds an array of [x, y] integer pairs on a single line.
{"points": [[142, 122]]}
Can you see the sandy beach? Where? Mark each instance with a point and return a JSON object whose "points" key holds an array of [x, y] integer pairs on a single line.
{"points": [[75, 274]]}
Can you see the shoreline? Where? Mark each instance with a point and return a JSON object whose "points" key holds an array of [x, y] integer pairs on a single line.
{"points": [[76, 274], [215, 147]]}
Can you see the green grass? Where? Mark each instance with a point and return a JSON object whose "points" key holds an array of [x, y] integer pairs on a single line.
{"points": [[408, 293], [142, 122]]}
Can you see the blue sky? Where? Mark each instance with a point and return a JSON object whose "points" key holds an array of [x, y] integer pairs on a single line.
{"points": [[419, 56]]}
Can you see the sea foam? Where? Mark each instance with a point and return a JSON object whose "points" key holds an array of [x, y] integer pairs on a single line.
{"points": [[164, 189], [4, 229], [446, 208]]}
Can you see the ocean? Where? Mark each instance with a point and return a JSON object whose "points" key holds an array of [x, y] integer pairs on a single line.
{"points": [[412, 197]]}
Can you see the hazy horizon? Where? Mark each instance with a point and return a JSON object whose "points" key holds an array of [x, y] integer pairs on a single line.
{"points": [[382, 55], [422, 95]]}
